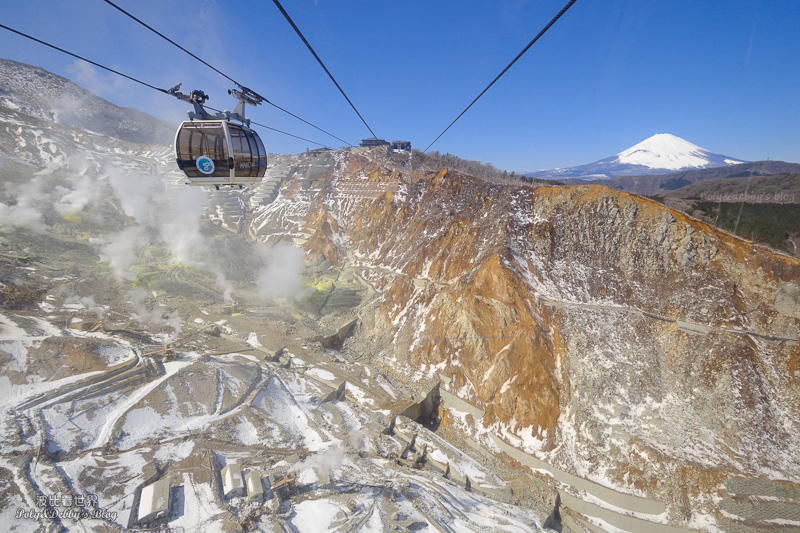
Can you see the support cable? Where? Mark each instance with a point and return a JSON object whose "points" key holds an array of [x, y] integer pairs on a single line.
{"points": [[215, 69], [159, 89], [328, 72], [544, 30], [54, 47]]}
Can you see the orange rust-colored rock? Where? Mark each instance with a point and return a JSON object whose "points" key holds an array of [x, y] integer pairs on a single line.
{"points": [[323, 228], [606, 331]]}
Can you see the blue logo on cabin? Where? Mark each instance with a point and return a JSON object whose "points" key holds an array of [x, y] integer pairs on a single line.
{"points": [[205, 164]]}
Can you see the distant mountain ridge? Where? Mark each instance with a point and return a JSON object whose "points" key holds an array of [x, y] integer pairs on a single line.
{"points": [[42, 94], [658, 184], [660, 154]]}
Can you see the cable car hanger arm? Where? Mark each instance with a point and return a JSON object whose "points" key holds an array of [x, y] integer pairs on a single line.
{"points": [[198, 99]]}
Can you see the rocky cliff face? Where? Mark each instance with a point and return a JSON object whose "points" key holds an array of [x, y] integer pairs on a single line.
{"points": [[599, 330], [38, 93]]}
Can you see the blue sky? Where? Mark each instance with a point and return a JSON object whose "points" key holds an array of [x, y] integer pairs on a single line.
{"points": [[722, 74]]}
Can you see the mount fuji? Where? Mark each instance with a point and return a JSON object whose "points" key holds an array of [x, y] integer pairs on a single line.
{"points": [[660, 154]]}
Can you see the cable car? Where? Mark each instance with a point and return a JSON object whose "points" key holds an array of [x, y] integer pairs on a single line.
{"points": [[217, 152], [214, 149]]}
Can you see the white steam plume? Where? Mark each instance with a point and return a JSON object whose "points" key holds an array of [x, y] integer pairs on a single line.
{"points": [[281, 275], [21, 216], [156, 318], [323, 464], [120, 250], [138, 195], [358, 440], [26, 212], [97, 82], [86, 191], [180, 229], [226, 286]]}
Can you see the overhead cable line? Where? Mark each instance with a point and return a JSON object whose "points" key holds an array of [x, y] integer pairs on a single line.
{"points": [[118, 73], [276, 106], [286, 133], [212, 67], [544, 30], [328, 72], [115, 6], [273, 129], [54, 47]]}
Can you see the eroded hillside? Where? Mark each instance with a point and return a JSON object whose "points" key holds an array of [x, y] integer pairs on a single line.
{"points": [[483, 346], [600, 331]]}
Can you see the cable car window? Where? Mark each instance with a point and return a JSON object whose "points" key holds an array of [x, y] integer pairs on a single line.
{"points": [[241, 151], [251, 139], [196, 139], [262, 152], [183, 145], [196, 145], [251, 144], [262, 157]]}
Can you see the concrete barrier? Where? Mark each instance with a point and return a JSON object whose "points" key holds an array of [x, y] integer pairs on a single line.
{"points": [[51, 395], [621, 521], [451, 400], [617, 499]]}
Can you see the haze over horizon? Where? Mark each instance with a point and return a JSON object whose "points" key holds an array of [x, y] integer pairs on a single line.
{"points": [[603, 79]]}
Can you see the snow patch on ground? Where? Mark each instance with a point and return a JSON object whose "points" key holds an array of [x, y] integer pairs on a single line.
{"points": [[174, 451], [247, 432], [199, 507], [252, 340], [321, 373], [121, 408], [316, 516]]}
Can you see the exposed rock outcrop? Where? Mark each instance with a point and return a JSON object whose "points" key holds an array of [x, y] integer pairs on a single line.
{"points": [[619, 339]]}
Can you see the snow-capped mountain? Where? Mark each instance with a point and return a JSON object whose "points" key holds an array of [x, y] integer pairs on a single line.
{"points": [[38, 93], [660, 154]]}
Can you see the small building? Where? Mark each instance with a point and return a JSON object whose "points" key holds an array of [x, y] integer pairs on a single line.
{"points": [[316, 152], [255, 490], [154, 501], [401, 146], [232, 484], [372, 142]]}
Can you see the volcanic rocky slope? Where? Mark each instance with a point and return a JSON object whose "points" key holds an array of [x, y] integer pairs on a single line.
{"points": [[602, 332], [605, 333], [42, 94]]}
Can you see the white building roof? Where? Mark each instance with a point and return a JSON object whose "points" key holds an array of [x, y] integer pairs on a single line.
{"points": [[154, 499], [232, 479], [254, 486]]}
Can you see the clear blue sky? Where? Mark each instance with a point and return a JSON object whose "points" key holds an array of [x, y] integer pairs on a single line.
{"points": [[722, 74]]}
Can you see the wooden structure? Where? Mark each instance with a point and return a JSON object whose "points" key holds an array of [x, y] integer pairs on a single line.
{"points": [[167, 352], [286, 481]]}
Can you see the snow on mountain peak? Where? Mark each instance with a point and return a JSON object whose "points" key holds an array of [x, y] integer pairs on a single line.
{"points": [[665, 151]]}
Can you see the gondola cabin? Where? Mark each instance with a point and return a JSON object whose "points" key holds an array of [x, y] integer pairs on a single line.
{"points": [[217, 152]]}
